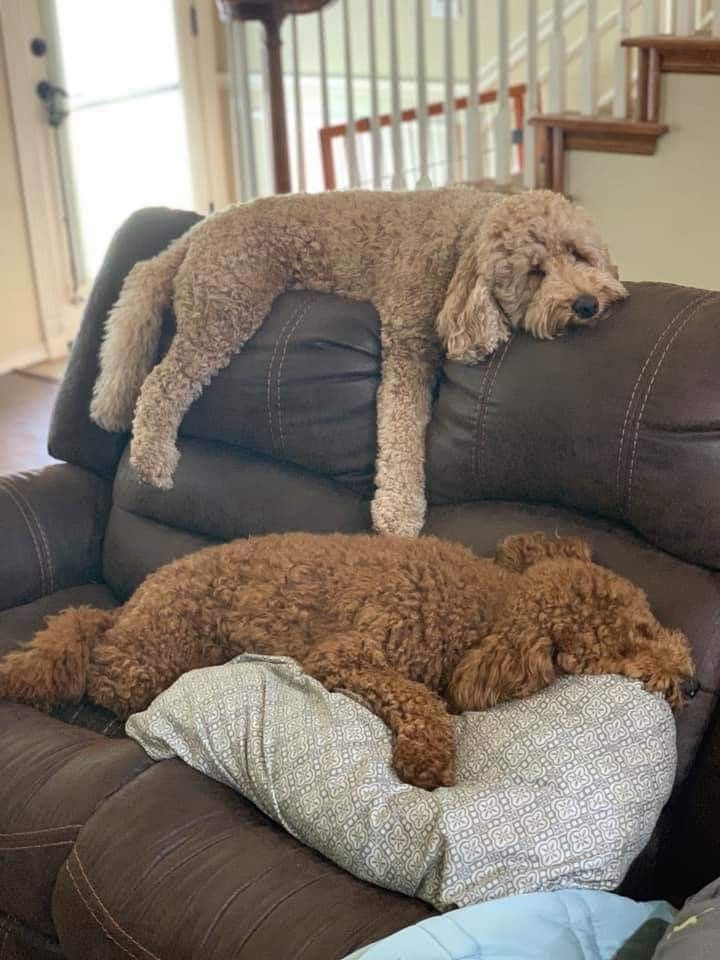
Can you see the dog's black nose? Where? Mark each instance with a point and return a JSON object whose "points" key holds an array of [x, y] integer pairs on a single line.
{"points": [[585, 306]]}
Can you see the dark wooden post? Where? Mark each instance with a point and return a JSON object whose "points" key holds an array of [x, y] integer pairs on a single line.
{"points": [[271, 14]]}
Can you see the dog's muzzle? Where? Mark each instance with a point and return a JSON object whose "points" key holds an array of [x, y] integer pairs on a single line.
{"points": [[585, 307]]}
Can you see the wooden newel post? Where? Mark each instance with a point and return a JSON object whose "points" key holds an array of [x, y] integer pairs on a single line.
{"points": [[271, 14]]}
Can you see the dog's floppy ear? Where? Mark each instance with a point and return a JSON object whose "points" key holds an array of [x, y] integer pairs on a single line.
{"points": [[520, 552], [514, 662], [470, 325]]}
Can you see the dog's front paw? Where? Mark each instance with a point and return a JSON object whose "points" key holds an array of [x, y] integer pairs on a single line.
{"points": [[154, 463], [423, 765], [397, 513]]}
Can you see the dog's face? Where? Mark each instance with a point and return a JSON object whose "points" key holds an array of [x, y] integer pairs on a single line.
{"points": [[567, 615], [602, 623], [555, 270], [538, 264]]}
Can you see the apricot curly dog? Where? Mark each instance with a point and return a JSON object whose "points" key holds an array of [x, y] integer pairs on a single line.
{"points": [[453, 270], [412, 627]]}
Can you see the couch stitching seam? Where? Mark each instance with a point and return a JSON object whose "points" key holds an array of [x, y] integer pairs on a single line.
{"points": [[301, 314], [491, 387], [34, 833], [4, 485], [656, 345], [37, 846], [479, 406], [41, 531], [271, 365], [701, 301], [102, 907]]}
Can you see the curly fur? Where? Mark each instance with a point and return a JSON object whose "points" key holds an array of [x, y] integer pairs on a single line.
{"points": [[412, 627], [453, 270]]}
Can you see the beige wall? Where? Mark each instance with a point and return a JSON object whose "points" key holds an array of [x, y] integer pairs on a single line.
{"points": [[20, 339], [661, 214]]}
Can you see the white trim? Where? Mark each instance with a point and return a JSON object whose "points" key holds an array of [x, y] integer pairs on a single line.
{"points": [[204, 115], [59, 306], [23, 358]]}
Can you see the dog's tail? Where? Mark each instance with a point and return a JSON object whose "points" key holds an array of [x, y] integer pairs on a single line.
{"points": [[53, 668], [132, 334]]}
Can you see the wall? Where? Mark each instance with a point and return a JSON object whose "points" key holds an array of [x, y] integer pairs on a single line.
{"points": [[660, 214], [20, 337]]}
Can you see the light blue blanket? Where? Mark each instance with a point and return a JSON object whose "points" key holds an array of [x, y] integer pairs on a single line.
{"points": [[563, 925]]}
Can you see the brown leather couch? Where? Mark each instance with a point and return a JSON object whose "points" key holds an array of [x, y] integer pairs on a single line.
{"points": [[611, 433]]}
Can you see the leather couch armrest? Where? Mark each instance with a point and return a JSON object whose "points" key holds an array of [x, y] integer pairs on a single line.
{"points": [[52, 524]]}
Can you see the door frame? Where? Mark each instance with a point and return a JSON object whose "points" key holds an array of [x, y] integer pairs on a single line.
{"points": [[60, 303]]}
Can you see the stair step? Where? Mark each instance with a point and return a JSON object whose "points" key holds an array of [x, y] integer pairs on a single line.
{"points": [[696, 54]]}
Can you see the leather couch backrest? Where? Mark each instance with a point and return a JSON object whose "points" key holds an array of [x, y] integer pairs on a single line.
{"points": [[620, 420]]}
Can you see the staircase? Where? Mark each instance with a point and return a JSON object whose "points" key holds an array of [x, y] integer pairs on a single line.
{"points": [[409, 122]]}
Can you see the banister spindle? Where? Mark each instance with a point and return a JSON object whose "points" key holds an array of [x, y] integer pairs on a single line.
{"points": [[374, 100], [556, 95], [472, 122], [242, 109], [622, 64], [398, 177], [322, 52], [531, 92], [502, 117], [716, 18], [449, 92], [649, 17], [299, 132], [351, 140], [685, 18], [422, 116], [589, 61]]}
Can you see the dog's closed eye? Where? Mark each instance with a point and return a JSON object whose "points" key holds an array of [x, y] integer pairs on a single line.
{"points": [[579, 256], [536, 272]]}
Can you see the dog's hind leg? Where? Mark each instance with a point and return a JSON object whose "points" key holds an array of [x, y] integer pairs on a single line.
{"points": [[423, 735], [212, 326], [52, 668]]}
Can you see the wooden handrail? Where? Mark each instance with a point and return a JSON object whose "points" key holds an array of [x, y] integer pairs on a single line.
{"points": [[363, 124]]}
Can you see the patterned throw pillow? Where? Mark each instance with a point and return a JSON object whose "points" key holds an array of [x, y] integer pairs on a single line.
{"points": [[560, 790]]}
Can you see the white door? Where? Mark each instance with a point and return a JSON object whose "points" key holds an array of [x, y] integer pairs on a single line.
{"points": [[102, 120]]}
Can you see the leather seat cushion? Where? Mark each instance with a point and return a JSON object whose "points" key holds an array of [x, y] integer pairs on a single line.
{"points": [[53, 777], [176, 865]]}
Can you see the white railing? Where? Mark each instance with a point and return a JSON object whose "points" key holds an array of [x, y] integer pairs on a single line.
{"points": [[398, 119]]}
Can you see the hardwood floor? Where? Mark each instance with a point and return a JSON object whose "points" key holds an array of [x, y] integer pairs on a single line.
{"points": [[26, 403]]}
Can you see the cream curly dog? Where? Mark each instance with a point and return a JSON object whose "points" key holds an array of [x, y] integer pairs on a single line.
{"points": [[410, 626], [453, 270]]}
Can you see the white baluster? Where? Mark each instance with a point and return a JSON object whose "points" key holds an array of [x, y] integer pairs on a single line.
{"points": [[502, 117], [649, 18], [398, 177], [716, 18], [422, 117], [557, 60], [622, 62], [589, 61], [352, 160], [531, 94], [322, 50], [242, 109], [472, 122], [299, 133], [449, 93], [374, 101], [685, 18]]}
